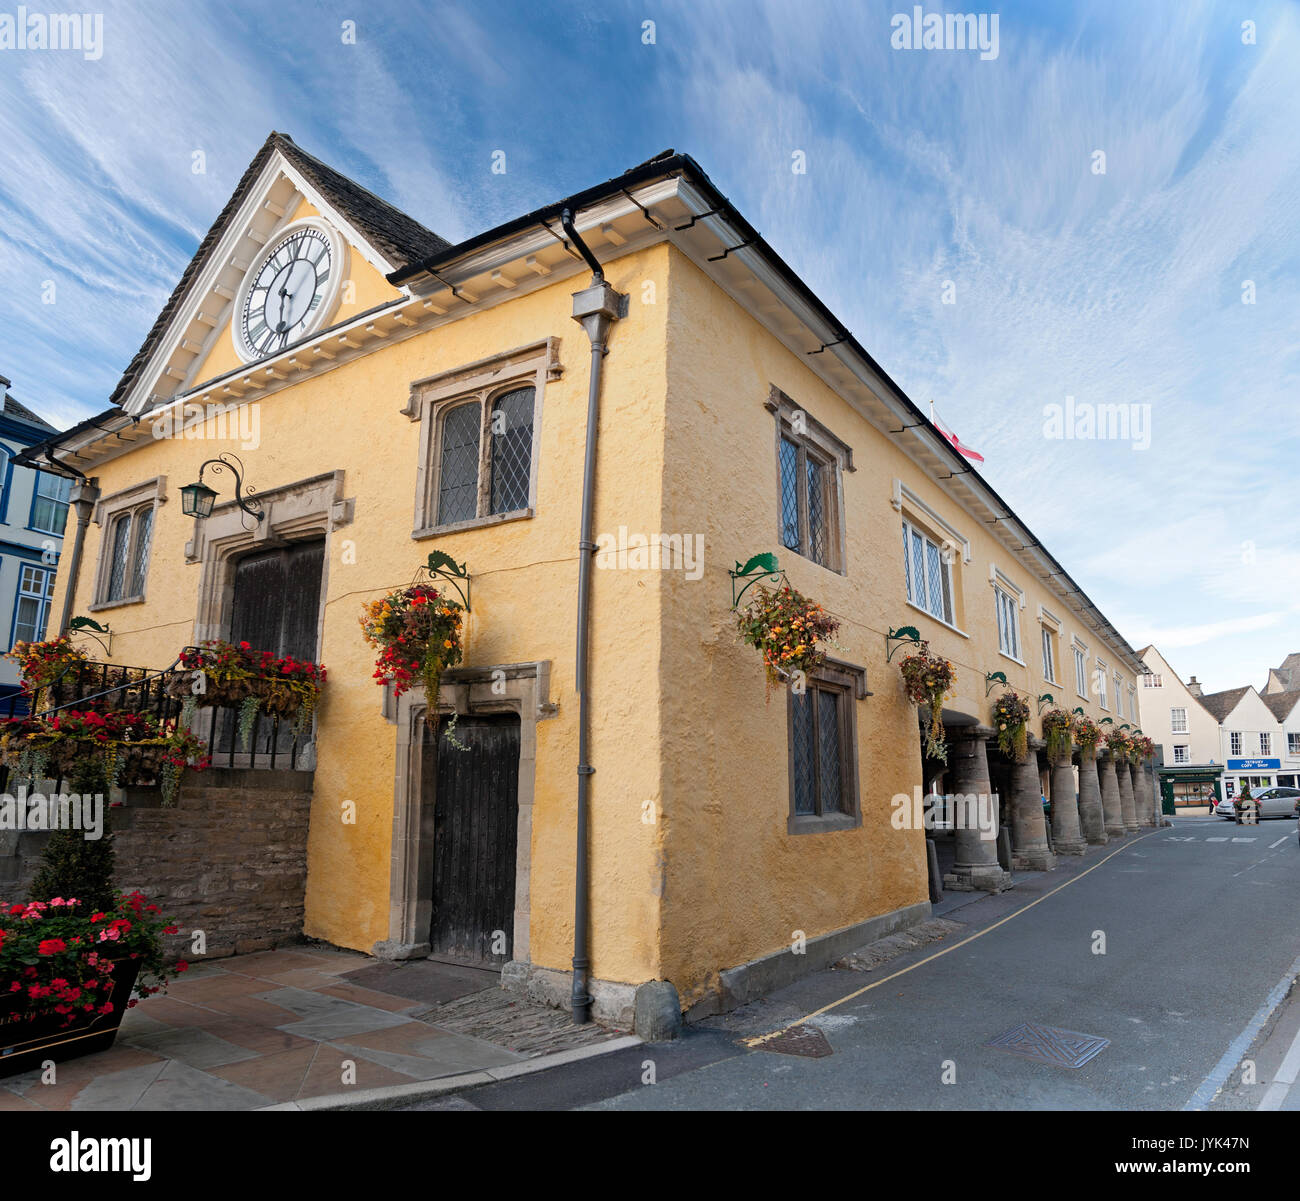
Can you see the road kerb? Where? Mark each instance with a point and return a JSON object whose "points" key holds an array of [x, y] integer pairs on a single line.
{"points": [[394, 1095]]}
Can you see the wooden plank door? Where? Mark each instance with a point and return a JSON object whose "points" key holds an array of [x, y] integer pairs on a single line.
{"points": [[476, 813]]}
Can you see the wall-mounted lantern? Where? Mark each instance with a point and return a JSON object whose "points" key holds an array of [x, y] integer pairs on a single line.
{"points": [[197, 498]]}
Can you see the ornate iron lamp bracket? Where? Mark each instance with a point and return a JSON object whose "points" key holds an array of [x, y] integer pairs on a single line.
{"points": [[249, 503]]}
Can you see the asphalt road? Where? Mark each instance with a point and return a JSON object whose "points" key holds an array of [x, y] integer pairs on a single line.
{"points": [[1200, 933]]}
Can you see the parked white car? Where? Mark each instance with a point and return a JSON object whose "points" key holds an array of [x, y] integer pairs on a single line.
{"points": [[1278, 802], [1271, 802]]}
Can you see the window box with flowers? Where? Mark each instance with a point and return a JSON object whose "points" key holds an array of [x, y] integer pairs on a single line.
{"points": [[67, 972], [225, 674], [100, 750]]}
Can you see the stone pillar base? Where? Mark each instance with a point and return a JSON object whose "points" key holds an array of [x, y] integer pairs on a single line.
{"points": [[1033, 859], [982, 877], [1116, 831], [1071, 848]]}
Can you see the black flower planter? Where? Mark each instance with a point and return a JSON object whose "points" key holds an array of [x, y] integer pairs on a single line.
{"points": [[25, 1045]]}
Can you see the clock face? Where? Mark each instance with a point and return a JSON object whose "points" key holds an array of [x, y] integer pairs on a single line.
{"points": [[286, 292]]}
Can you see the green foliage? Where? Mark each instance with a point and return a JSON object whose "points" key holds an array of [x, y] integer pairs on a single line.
{"points": [[73, 865]]}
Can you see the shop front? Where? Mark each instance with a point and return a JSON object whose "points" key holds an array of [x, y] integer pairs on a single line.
{"points": [[1190, 787], [1257, 773]]}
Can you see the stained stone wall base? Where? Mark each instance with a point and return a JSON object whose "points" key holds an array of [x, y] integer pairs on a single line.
{"points": [[982, 877], [1033, 859], [613, 1003]]}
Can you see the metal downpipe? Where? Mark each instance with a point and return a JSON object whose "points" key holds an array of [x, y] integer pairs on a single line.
{"points": [[595, 308]]}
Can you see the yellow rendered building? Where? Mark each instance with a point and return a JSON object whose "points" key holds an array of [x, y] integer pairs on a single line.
{"points": [[410, 396]]}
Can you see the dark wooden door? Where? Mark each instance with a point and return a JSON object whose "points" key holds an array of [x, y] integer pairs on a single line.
{"points": [[276, 604], [276, 608], [475, 824]]}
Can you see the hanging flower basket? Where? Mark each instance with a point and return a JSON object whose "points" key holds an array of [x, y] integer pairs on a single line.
{"points": [[1120, 746], [1145, 748], [1058, 730], [928, 679], [417, 632], [785, 627], [1011, 720], [1087, 733], [41, 664]]}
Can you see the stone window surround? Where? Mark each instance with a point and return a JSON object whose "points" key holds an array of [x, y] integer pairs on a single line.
{"points": [[295, 512], [832, 452], [533, 365], [467, 691], [851, 682], [148, 493]]}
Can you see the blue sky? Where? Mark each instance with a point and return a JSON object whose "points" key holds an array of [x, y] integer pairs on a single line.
{"points": [[923, 167]]}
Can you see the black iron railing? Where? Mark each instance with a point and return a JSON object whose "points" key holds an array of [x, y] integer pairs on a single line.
{"points": [[273, 742]]}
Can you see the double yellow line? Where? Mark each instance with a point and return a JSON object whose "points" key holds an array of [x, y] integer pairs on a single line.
{"points": [[759, 1039]]}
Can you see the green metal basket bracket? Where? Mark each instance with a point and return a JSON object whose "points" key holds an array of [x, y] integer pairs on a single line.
{"points": [[441, 566], [994, 678], [760, 567], [903, 636], [90, 627], [1048, 699]]}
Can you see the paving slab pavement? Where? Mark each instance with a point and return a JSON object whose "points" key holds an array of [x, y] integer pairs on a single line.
{"points": [[303, 1025]]}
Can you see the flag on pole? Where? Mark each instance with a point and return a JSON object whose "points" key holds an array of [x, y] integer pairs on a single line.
{"points": [[961, 447]]}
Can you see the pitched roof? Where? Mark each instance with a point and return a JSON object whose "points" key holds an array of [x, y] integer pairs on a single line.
{"points": [[401, 239], [20, 412], [1220, 704], [1281, 702]]}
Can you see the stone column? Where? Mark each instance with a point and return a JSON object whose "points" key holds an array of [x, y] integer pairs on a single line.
{"points": [[976, 865], [1030, 851], [1092, 818], [1144, 795], [1110, 800], [1127, 798], [1067, 832]]}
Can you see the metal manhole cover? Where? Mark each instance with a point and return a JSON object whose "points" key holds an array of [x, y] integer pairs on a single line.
{"points": [[1048, 1044], [799, 1040]]}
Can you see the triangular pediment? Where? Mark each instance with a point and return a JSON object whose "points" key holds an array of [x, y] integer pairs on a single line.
{"points": [[192, 338]]}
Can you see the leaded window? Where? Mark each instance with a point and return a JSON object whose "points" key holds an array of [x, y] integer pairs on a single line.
{"points": [[128, 543], [822, 763], [485, 456]]}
